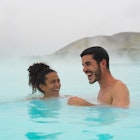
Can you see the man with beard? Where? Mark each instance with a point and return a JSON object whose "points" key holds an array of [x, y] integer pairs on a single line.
{"points": [[95, 61]]}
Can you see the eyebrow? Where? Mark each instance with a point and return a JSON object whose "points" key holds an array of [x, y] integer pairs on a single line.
{"points": [[86, 63]]}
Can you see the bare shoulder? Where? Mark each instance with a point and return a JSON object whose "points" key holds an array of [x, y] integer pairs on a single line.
{"points": [[121, 88], [120, 84], [120, 94]]}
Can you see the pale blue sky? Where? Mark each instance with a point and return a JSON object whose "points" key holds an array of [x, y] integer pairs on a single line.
{"points": [[39, 27]]}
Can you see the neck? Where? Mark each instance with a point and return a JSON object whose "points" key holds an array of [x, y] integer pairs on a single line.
{"points": [[106, 80], [50, 96]]}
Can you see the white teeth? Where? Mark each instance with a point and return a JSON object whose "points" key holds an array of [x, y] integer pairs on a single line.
{"points": [[88, 74], [56, 89]]}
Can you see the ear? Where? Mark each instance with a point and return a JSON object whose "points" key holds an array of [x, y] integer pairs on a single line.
{"points": [[103, 63], [42, 87]]}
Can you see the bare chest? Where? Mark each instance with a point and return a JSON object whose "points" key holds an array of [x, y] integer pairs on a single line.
{"points": [[105, 96]]}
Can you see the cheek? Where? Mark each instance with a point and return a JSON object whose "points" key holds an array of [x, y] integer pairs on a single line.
{"points": [[93, 68], [60, 84], [49, 86]]}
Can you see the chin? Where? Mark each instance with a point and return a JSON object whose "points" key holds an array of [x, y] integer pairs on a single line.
{"points": [[56, 94], [92, 82]]}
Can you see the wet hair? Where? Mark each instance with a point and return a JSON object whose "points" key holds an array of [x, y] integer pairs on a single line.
{"points": [[98, 53], [37, 73]]}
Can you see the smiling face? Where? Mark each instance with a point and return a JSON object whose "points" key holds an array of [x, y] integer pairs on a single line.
{"points": [[91, 69], [52, 86]]}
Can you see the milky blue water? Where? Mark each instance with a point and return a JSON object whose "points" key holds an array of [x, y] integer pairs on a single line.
{"points": [[53, 119]]}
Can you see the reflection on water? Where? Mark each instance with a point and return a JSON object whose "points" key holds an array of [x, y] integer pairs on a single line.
{"points": [[100, 119], [41, 136], [105, 116], [43, 112], [44, 108], [105, 137]]}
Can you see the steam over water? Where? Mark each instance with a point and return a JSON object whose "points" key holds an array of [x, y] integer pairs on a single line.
{"points": [[14, 77], [123, 49]]}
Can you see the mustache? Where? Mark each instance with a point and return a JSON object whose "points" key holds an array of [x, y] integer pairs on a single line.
{"points": [[88, 71]]}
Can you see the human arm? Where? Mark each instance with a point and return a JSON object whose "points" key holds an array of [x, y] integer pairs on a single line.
{"points": [[77, 101]]}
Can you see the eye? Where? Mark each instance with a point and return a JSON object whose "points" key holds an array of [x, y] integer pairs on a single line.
{"points": [[53, 81], [58, 80], [87, 63]]}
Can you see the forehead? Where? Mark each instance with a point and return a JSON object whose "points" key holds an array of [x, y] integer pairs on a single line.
{"points": [[51, 75], [87, 58]]}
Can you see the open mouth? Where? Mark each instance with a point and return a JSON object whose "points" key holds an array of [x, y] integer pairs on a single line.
{"points": [[56, 92], [89, 75], [56, 89]]}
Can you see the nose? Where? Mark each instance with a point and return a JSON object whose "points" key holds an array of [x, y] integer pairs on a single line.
{"points": [[84, 68], [58, 84]]}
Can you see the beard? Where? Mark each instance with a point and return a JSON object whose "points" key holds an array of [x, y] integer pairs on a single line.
{"points": [[97, 74]]}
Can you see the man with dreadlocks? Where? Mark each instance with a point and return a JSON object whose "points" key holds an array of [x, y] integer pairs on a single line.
{"points": [[44, 79]]}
